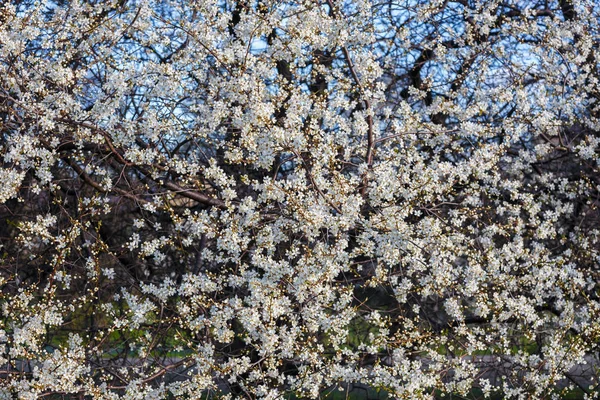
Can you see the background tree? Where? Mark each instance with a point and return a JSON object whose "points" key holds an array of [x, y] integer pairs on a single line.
{"points": [[260, 199]]}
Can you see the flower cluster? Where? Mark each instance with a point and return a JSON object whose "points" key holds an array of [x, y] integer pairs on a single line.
{"points": [[267, 199]]}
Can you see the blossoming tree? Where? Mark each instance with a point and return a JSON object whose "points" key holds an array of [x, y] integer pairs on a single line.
{"points": [[267, 199]]}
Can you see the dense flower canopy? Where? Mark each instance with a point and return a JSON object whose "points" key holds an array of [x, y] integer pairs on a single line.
{"points": [[294, 198]]}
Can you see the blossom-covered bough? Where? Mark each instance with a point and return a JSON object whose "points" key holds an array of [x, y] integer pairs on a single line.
{"points": [[283, 199]]}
